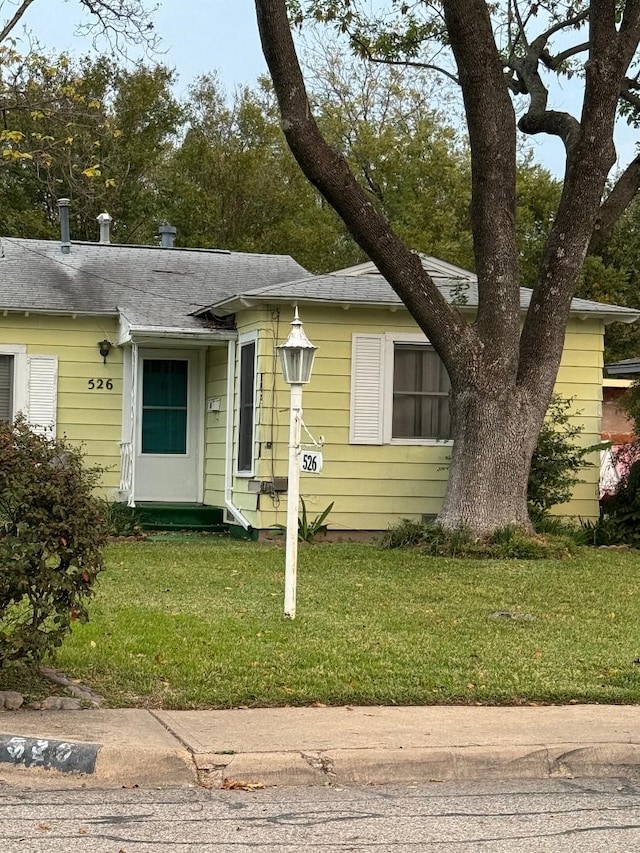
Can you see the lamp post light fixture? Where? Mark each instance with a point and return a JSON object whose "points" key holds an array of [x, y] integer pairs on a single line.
{"points": [[296, 357]]}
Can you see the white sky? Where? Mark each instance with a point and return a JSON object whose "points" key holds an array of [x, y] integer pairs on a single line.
{"points": [[200, 36]]}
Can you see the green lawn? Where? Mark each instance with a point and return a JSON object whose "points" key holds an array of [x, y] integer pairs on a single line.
{"points": [[199, 624]]}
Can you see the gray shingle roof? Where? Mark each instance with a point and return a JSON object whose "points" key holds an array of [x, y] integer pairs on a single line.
{"points": [[150, 286], [624, 367], [364, 285], [168, 288]]}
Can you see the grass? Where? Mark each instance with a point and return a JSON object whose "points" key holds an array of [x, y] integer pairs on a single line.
{"points": [[193, 625]]}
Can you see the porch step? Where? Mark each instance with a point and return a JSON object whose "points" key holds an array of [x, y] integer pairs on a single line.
{"points": [[181, 516]]}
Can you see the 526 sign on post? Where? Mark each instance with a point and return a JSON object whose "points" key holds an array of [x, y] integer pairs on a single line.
{"points": [[100, 384], [310, 462]]}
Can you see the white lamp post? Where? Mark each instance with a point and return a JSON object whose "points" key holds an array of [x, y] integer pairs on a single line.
{"points": [[296, 357]]}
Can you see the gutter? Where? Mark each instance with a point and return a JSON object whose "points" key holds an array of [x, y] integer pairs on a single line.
{"points": [[142, 334], [228, 460]]}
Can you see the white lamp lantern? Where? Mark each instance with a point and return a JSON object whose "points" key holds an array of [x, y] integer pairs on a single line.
{"points": [[296, 356]]}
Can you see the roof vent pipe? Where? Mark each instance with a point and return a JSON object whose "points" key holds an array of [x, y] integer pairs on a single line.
{"points": [[104, 221], [167, 235], [65, 234]]}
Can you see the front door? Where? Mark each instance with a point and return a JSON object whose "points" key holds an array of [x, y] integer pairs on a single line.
{"points": [[169, 426]]}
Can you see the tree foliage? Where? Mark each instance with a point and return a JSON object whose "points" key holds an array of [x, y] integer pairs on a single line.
{"points": [[90, 131]]}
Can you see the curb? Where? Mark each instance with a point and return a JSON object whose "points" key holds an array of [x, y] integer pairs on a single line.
{"points": [[414, 765], [42, 763], [94, 748], [60, 755]]}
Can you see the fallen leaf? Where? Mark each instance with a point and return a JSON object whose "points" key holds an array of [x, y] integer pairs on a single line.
{"points": [[44, 827], [83, 831], [239, 785]]}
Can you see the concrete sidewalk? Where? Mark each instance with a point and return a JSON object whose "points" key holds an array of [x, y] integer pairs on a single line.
{"points": [[316, 746]]}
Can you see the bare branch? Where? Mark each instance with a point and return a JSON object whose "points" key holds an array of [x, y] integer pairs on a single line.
{"points": [[616, 203], [553, 62], [9, 26], [404, 63], [408, 63]]}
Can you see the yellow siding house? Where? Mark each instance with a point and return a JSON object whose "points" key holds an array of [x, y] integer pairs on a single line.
{"points": [[162, 363]]}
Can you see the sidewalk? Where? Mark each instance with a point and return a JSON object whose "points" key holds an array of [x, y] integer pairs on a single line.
{"points": [[316, 746]]}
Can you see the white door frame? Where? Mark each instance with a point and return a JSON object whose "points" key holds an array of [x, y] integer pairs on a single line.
{"points": [[195, 418]]}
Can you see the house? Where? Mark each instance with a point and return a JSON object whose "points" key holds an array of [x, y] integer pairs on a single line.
{"points": [[162, 363]]}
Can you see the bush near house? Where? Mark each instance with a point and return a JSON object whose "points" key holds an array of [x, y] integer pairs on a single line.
{"points": [[51, 535]]}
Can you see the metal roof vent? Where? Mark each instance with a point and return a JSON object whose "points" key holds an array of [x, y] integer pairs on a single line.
{"points": [[104, 221], [167, 235], [65, 233]]}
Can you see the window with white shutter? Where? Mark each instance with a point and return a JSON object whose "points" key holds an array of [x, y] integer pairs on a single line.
{"points": [[399, 391], [42, 386]]}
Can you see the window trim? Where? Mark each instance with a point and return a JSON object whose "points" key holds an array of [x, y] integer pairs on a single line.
{"points": [[391, 339], [245, 339]]}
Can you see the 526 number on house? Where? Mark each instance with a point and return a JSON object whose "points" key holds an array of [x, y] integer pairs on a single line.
{"points": [[100, 384]]}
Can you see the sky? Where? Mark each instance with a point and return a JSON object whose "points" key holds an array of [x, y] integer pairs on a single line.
{"points": [[202, 36], [198, 36]]}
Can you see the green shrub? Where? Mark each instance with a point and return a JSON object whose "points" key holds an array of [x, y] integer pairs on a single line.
{"points": [[121, 519], [556, 461], [620, 514], [506, 543], [405, 534], [51, 535]]}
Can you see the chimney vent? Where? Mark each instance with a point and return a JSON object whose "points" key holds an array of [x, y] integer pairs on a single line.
{"points": [[104, 221], [167, 235], [65, 233]]}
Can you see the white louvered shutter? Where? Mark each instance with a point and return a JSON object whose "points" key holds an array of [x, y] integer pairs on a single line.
{"points": [[367, 389], [42, 371]]}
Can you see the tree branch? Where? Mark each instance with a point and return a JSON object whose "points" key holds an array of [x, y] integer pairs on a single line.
{"points": [[408, 63], [329, 172], [8, 27], [615, 204], [589, 160], [491, 125]]}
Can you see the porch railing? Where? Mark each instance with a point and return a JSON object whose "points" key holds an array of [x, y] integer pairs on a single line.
{"points": [[126, 467]]}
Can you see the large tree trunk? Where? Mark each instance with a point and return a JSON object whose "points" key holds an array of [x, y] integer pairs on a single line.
{"points": [[502, 372], [494, 437]]}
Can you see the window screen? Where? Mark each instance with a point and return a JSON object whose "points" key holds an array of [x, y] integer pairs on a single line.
{"points": [[247, 395], [164, 406], [420, 393], [6, 387]]}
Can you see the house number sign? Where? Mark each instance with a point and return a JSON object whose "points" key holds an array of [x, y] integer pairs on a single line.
{"points": [[310, 462], [100, 384]]}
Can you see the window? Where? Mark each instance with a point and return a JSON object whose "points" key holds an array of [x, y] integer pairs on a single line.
{"points": [[399, 391], [6, 387], [246, 406], [164, 405], [28, 384], [420, 393]]}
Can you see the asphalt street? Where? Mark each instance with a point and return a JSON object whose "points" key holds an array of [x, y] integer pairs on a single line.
{"points": [[543, 815]]}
